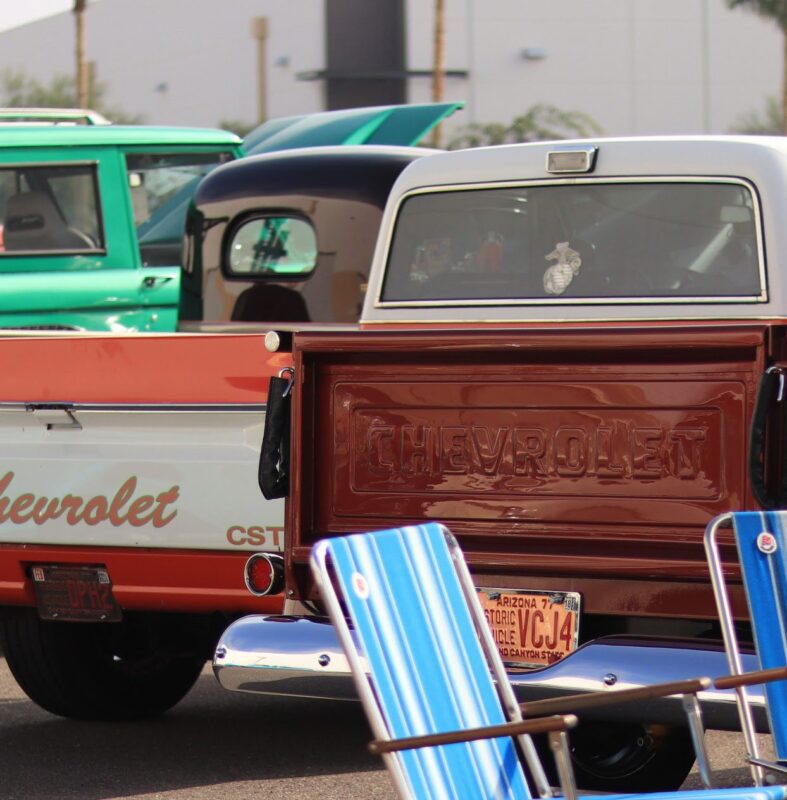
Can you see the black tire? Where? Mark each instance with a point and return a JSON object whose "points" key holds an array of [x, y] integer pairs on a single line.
{"points": [[117, 671], [626, 758]]}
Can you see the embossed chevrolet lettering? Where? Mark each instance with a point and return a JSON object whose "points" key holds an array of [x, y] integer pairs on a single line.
{"points": [[632, 453], [536, 450]]}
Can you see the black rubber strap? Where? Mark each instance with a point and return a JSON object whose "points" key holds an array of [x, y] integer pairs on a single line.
{"points": [[274, 469], [766, 396]]}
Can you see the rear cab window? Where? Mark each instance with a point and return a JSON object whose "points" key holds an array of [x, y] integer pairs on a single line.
{"points": [[638, 241]]}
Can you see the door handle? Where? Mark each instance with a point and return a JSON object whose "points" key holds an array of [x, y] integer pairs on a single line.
{"points": [[56, 418], [152, 281]]}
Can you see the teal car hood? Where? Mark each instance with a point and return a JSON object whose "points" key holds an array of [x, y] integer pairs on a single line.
{"points": [[383, 125]]}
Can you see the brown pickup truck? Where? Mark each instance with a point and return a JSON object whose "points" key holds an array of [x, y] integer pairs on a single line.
{"points": [[559, 357]]}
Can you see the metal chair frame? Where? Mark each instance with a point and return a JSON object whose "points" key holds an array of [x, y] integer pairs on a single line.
{"points": [[757, 525]]}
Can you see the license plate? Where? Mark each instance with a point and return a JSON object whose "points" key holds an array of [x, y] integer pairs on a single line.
{"points": [[74, 593], [532, 629]]}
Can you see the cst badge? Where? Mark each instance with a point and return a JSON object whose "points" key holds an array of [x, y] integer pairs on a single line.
{"points": [[766, 543], [558, 277]]}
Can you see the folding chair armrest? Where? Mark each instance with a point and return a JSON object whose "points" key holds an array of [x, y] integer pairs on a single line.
{"points": [[517, 728], [751, 678], [686, 689], [579, 702]]}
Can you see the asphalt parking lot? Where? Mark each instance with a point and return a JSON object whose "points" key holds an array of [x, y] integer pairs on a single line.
{"points": [[215, 744]]}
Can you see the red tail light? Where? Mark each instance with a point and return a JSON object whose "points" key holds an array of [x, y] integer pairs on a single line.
{"points": [[264, 574]]}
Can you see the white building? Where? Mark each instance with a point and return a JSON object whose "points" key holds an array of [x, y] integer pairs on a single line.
{"points": [[635, 66]]}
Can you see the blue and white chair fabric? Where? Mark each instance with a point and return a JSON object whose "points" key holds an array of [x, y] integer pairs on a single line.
{"points": [[762, 552], [417, 619]]}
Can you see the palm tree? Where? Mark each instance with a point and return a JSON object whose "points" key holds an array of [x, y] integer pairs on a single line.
{"points": [[82, 76], [777, 11], [438, 70]]}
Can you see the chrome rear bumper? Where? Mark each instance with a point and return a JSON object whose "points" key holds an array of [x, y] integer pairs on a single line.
{"points": [[301, 656]]}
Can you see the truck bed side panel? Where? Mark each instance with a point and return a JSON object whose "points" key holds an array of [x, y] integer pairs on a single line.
{"points": [[139, 454]]}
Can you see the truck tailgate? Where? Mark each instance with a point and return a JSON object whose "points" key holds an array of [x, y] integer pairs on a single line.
{"points": [[562, 452]]}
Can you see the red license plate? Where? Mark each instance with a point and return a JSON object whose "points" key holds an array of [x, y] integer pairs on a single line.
{"points": [[532, 629], [74, 593]]}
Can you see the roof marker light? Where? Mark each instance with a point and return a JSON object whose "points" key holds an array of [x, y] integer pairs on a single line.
{"points": [[572, 159]]}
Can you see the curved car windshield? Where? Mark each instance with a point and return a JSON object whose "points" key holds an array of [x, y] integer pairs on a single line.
{"points": [[161, 186], [577, 243]]}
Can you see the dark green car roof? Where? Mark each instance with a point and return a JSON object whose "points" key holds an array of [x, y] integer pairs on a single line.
{"points": [[16, 135]]}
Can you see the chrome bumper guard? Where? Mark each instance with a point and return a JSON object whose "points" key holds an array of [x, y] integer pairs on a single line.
{"points": [[302, 657]]}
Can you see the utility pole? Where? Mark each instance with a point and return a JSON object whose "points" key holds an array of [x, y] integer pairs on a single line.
{"points": [[438, 70], [82, 70], [259, 30]]}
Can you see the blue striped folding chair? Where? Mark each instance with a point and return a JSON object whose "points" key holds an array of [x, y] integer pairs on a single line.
{"points": [[761, 541], [417, 619], [430, 677]]}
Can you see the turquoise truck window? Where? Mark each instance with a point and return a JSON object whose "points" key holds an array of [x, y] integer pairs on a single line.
{"points": [[49, 209], [621, 241], [161, 186], [272, 246]]}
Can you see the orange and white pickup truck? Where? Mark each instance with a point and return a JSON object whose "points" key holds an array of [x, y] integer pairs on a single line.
{"points": [[129, 497]]}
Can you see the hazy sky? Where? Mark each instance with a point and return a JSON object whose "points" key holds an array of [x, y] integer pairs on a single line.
{"points": [[13, 12]]}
